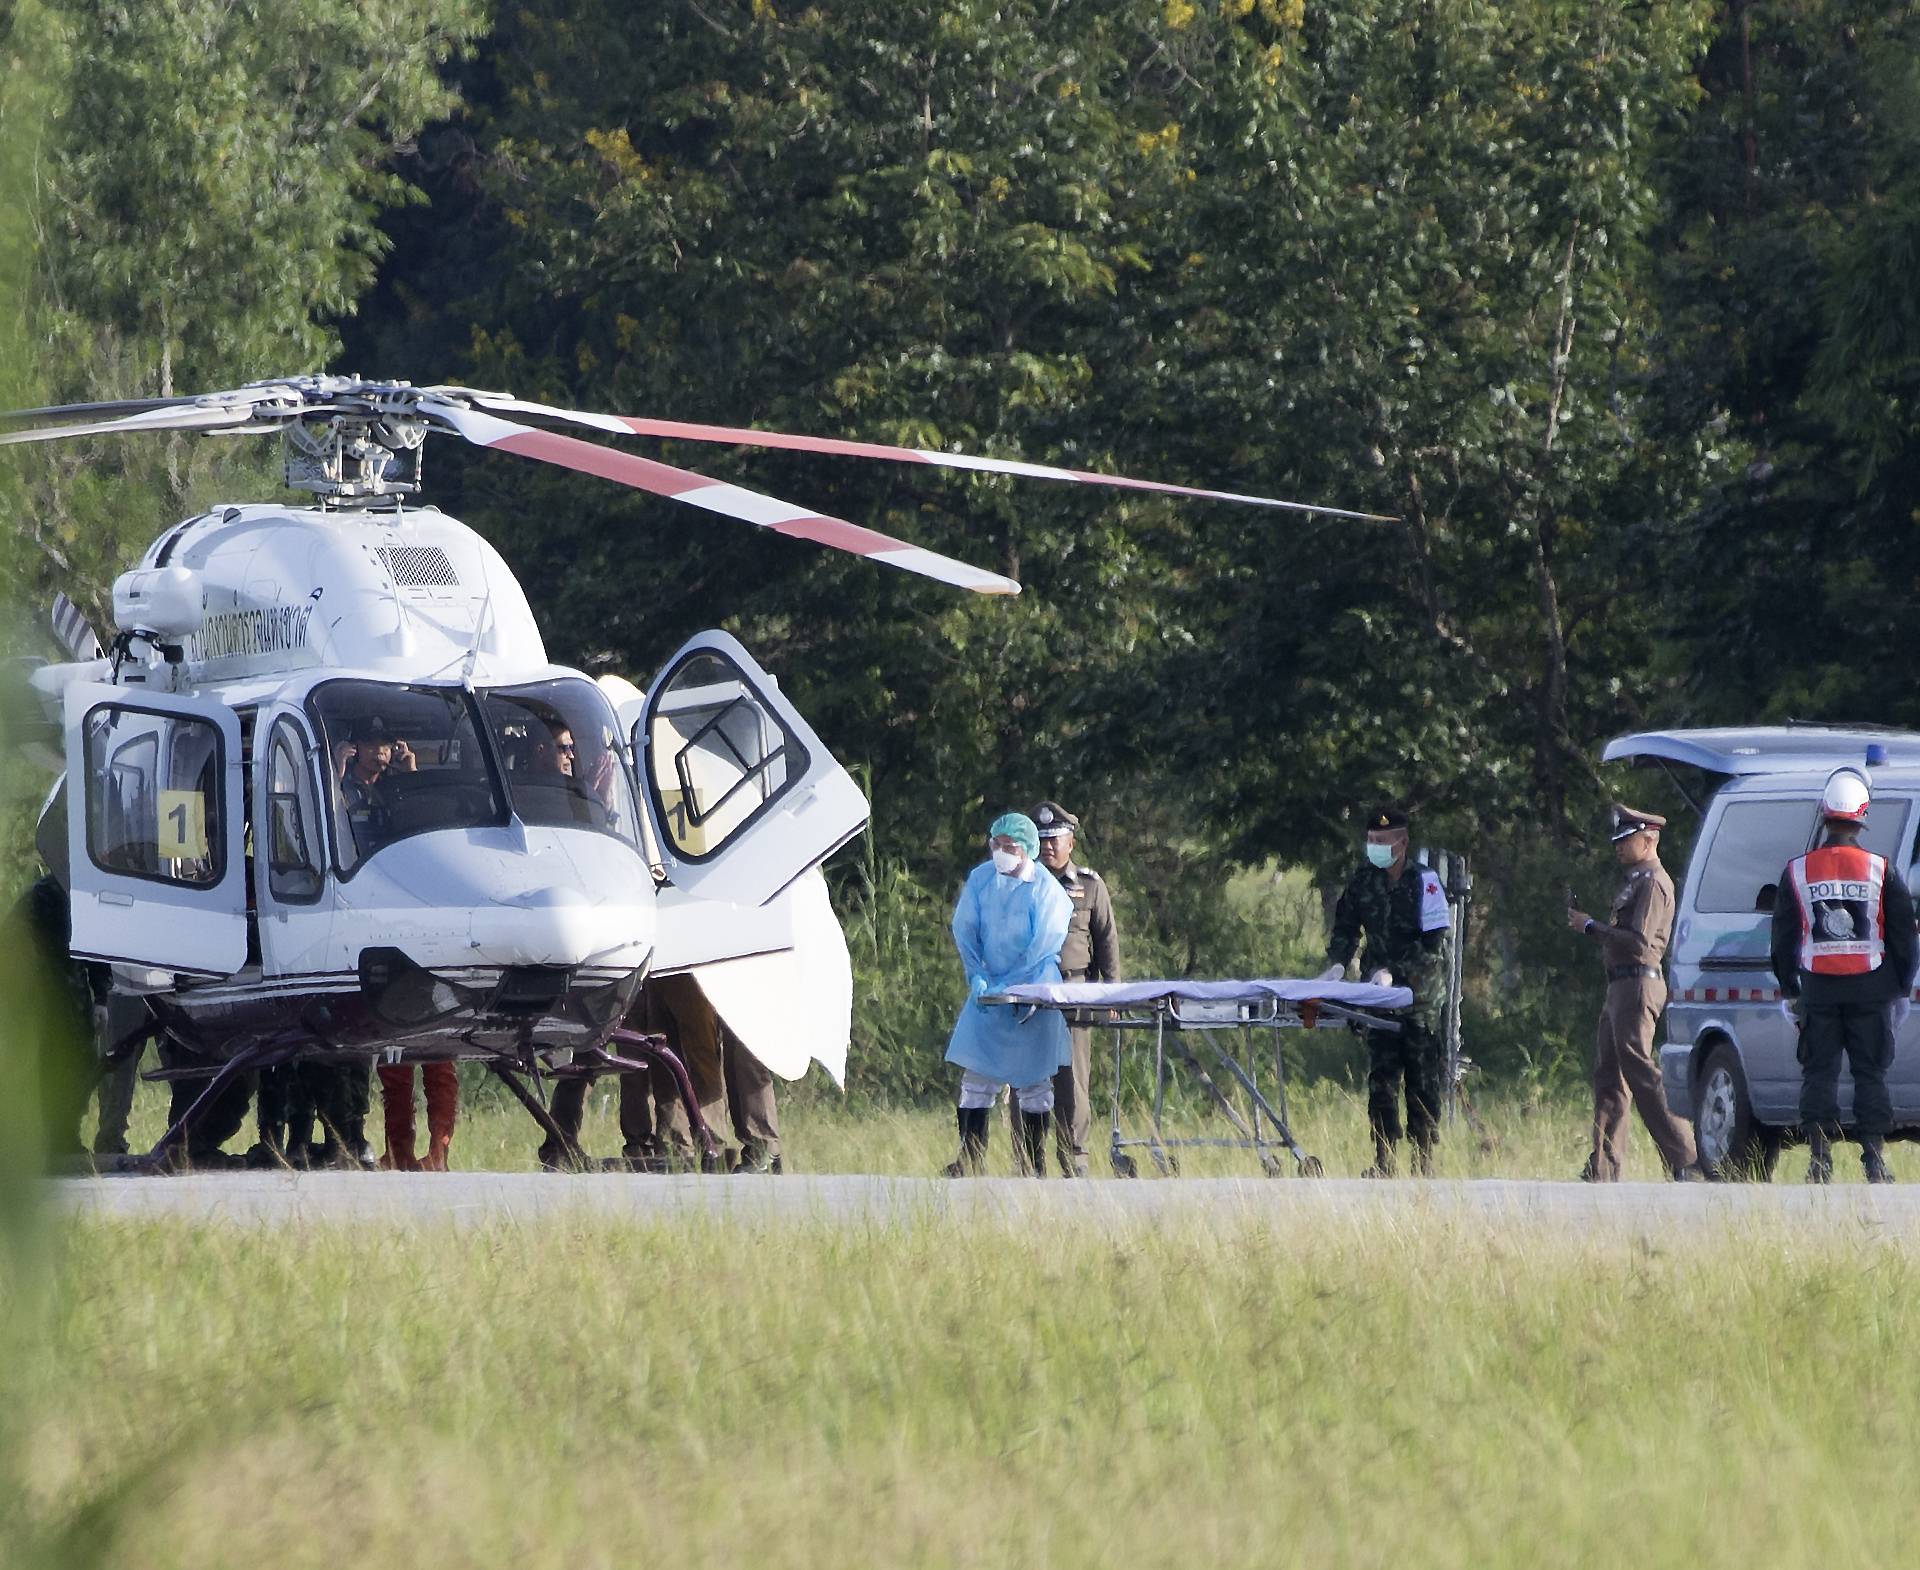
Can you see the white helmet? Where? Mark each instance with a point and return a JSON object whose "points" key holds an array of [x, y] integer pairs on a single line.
{"points": [[1846, 796]]}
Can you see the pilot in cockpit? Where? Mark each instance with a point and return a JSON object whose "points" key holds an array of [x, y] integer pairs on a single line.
{"points": [[373, 753]]}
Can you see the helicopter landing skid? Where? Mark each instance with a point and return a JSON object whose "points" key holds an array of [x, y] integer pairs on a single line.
{"points": [[654, 1049], [537, 1110], [593, 1061], [267, 1054]]}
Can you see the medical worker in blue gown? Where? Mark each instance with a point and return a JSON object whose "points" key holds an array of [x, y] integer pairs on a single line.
{"points": [[1009, 925]]}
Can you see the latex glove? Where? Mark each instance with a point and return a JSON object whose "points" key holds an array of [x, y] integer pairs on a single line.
{"points": [[1331, 973], [1901, 1009], [977, 985], [1790, 1010], [1381, 978]]}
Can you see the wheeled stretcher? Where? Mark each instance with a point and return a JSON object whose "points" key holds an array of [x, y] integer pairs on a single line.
{"points": [[1225, 1015]]}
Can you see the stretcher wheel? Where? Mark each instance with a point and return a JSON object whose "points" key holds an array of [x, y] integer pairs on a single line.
{"points": [[1270, 1164], [1123, 1165], [1310, 1167]]}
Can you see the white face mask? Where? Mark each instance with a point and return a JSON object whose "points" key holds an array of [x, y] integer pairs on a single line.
{"points": [[1380, 855], [1006, 862]]}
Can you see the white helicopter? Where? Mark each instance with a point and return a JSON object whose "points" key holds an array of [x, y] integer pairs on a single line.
{"points": [[325, 796]]}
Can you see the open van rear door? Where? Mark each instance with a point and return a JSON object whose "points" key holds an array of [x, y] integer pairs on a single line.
{"points": [[740, 794], [1763, 749], [156, 839]]}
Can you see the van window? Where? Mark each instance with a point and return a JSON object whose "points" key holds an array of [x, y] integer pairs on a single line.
{"points": [[1886, 820], [1754, 842]]}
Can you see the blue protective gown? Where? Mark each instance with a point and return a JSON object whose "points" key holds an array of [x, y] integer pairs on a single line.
{"points": [[1009, 932]]}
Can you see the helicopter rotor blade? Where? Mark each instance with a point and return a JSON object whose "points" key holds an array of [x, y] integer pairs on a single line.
{"points": [[71, 630], [199, 418], [696, 490], [740, 436], [112, 406]]}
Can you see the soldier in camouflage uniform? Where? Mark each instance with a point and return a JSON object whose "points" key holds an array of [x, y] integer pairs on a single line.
{"points": [[1402, 909]]}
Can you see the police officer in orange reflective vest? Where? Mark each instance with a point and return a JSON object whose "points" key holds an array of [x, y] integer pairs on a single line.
{"points": [[1844, 950]]}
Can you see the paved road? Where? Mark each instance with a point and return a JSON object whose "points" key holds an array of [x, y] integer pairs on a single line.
{"points": [[473, 1197]]}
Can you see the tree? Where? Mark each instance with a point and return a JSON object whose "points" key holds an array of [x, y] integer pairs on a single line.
{"points": [[212, 181], [1791, 198]]}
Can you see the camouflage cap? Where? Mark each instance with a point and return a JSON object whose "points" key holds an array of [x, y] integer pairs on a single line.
{"points": [[1625, 821], [1053, 820]]}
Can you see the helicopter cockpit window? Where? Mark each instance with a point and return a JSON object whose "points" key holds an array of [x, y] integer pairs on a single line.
{"points": [[294, 869], [561, 745], [154, 806], [717, 757], [400, 761]]}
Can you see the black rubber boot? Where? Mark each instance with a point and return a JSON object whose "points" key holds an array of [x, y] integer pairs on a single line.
{"points": [[1385, 1165], [972, 1159], [1873, 1159], [1034, 1127]]}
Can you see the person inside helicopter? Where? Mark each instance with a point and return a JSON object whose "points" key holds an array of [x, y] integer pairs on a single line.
{"points": [[555, 778], [362, 764]]}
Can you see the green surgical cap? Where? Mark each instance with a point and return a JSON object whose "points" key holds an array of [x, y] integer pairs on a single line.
{"points": [[1018, 827]]}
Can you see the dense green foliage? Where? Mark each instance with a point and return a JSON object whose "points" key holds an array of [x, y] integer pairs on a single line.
{"points": [[1605, 304]]}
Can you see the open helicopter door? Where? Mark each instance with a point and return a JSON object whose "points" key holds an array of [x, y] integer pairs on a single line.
{"points": [[742, 796], [156, 830]]}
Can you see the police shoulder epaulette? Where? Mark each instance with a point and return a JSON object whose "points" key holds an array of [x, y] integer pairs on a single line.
{"points": [[1087, 872]]}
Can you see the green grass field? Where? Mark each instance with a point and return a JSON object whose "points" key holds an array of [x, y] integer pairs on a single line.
{"points": [[936, 1393], [927, 1390]]}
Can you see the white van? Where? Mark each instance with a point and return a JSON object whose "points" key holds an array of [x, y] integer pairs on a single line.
{"points": [[1727, 1057]]}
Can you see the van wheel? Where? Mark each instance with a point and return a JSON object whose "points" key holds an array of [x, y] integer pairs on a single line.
{"points": [[1724, 1131]]}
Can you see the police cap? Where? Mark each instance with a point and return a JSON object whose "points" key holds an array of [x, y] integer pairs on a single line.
{"points": [[1053, 820], [1625, 821], [1383, 818]]}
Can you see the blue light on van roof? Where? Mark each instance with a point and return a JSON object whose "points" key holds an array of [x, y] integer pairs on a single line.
{"points": [[1876, 754]]}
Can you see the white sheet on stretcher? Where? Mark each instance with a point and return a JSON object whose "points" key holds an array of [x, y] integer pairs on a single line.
{"points": [[1120, 994]]}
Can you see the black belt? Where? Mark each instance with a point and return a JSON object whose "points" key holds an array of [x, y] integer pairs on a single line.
{"points": [[1623, 972], [1073, 975]]}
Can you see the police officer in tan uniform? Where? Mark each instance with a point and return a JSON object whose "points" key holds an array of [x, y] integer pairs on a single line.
{"points": [[1633, 940], [1091, 953]]}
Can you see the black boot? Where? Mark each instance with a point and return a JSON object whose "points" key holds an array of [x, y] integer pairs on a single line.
{"points": [[1873, 1159], [1033, 1142], [1819, 1157], [1384, 1163], [973, 1143]]}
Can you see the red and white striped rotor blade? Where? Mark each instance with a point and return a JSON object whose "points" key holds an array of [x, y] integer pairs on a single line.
{"points": [[194, 419], [741, 436], [696, 490]]}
